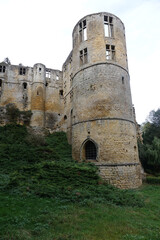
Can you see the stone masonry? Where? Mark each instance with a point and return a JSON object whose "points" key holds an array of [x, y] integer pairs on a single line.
{"points": [[90, 99]]}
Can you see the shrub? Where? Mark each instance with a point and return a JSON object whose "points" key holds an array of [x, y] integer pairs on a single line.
{"points": [[153, 180]]}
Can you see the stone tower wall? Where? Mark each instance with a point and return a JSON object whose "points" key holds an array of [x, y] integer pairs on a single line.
{"points": [[90, 98], [102, 106]]}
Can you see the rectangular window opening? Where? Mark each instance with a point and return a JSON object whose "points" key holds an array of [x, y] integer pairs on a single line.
{"points": [[85, 34], [110, 52], [83, 56], [84, 23], [83, 31], [48, 74], [110, 19], [106, 30], [105, 18], [108, 26], [22, 71], [80, 25]]}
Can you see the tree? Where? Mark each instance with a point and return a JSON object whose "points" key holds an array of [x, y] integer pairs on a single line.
{"points": [[149, 151]]}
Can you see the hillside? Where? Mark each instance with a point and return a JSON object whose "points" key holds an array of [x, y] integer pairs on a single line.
{"points": [[43, 166], [46, 195]]}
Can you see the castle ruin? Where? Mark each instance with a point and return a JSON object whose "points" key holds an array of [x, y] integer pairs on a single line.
{"points": [[90, 99]]}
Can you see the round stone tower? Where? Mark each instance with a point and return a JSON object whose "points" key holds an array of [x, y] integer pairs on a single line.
{"points": [[103, 126], [38, 95]]}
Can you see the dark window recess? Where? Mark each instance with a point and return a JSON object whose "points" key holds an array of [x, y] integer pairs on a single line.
{"points": [[90, 151], [122, 80], [65, 117], [83, 56], [40, 69], [22, 71], [46, 84], [0, 82], [61, 92], [24, 85], [2, 69]]}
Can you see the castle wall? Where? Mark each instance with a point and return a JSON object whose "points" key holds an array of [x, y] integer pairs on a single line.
{"points": [[36, 89], [102, 106], [12, 90], [90, 99]]}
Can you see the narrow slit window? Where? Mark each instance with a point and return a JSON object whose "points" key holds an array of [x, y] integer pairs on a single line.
{"points": [[0, 83], [85, 34], [57, 77], [61, 92], [85, 55]]}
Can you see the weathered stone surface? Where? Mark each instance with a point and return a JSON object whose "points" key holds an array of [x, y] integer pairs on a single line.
{"points": [[90, 98]]}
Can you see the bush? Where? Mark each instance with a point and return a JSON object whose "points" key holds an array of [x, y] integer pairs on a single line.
{"points": [[153, 180]]}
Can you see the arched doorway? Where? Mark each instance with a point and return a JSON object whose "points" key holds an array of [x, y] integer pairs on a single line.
{"points": [[89, 150]]}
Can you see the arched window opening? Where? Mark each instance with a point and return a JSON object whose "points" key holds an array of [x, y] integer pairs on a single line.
{"points": [[40, 91], [90, 151], [24, 85]]}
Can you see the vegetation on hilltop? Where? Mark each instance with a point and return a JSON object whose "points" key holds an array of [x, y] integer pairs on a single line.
{"points": [[149, 150]]}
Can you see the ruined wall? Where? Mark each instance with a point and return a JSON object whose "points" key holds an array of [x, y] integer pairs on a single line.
{"points": [[90, 98], [37, 89]]}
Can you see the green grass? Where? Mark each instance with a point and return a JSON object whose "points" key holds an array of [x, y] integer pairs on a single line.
{"points": [[51, 219], [46, 195]]}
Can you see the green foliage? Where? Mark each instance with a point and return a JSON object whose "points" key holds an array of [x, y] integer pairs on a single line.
{"points": [[34, 165], [153, 180], [14, 115], [149, 151]]}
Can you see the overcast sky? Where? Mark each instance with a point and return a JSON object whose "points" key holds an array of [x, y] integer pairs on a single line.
{"points": [[38, 31]]}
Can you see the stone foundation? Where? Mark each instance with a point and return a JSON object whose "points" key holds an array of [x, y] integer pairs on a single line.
{"points": [[124, 176]]}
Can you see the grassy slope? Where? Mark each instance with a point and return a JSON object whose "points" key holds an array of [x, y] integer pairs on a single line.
{"points": [[41, 218], [46, 195]]}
